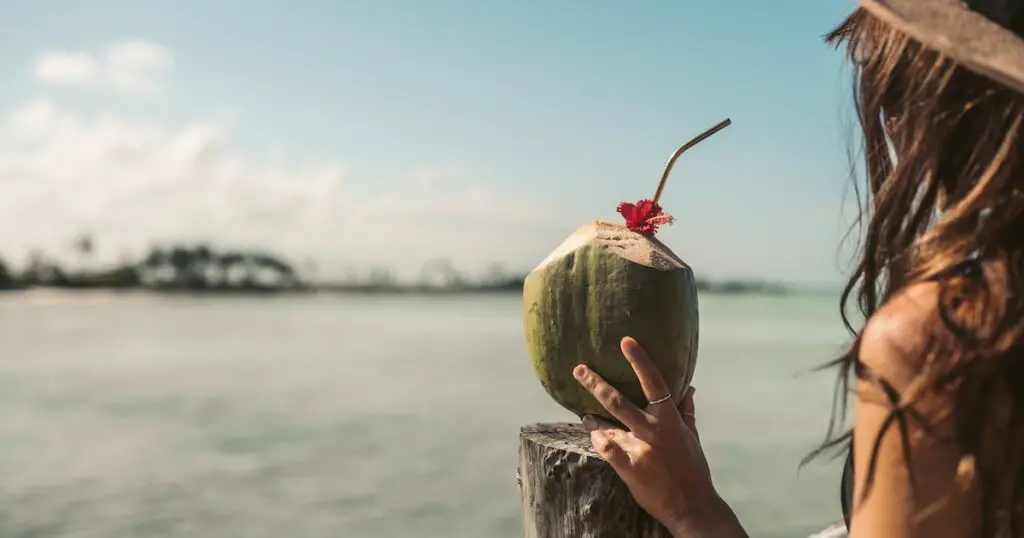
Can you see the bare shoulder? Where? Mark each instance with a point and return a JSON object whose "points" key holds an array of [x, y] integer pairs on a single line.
{"points": [[896, 338], [896, 453]]}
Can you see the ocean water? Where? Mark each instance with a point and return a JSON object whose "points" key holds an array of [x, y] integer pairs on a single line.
{"points": [[357, 417]]}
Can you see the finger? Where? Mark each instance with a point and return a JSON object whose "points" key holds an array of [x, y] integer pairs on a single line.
{"points": [[650, 379], [594, 422], [625, 440], [618, 405], [687, 410], [609, 450], [686, 405]]}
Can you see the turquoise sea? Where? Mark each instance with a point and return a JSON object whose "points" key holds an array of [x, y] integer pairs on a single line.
{"points": [[344, 416]]}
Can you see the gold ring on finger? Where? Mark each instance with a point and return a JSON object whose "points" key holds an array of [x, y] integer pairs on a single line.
{"points": [[660, 400]]}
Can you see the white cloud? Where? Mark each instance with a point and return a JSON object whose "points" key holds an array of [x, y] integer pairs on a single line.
{"points": [[132, 182], [131, 67], [67, 68], [136, 66]]}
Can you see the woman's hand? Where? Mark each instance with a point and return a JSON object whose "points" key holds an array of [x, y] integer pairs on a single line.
{"points": [[660, 458]]}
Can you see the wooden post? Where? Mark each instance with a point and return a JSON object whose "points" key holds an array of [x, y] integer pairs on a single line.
{"points": [[570, 492]]}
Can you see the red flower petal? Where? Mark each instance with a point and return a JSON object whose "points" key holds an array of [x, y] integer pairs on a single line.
{"points": [[644, 216]]}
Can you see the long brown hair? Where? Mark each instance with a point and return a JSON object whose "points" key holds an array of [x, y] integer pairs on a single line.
{"points": [[943, 164]]}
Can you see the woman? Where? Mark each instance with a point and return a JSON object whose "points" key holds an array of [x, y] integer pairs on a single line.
{"points": [[937, 443]]}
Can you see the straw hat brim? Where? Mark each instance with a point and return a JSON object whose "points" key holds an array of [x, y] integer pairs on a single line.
{"points": [[950, 27]]}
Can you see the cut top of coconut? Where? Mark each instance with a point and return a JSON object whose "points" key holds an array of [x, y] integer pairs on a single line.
{"points": [[635, 247]]}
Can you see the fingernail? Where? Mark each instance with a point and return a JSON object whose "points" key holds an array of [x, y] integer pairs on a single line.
{"points": [[579, 372], [589, 423]]}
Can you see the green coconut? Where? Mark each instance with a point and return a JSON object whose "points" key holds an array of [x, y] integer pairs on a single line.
{"points": [[603, 283]]}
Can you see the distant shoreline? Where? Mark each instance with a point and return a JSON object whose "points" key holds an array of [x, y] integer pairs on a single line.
{"points": [[723, 289], [204, 270]]}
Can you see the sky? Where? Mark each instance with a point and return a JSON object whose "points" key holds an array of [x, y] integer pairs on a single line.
{"points": [[387, 133]]}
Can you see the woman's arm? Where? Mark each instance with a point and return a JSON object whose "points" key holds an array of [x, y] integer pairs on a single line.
{"points": [[718, 521]]}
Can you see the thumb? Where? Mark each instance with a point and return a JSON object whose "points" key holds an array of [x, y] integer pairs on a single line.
{"points": [[687, 411]]}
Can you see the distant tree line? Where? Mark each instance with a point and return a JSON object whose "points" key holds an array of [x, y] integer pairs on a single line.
{"points": [[7, 280], [180, 267], [202, 268]]}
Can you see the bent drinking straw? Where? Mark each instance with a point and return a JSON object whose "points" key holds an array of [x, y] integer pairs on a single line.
{"points": [[682, 149]]}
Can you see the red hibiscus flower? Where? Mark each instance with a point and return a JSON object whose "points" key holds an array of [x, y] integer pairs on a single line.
{"points": [[644, 217]]}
